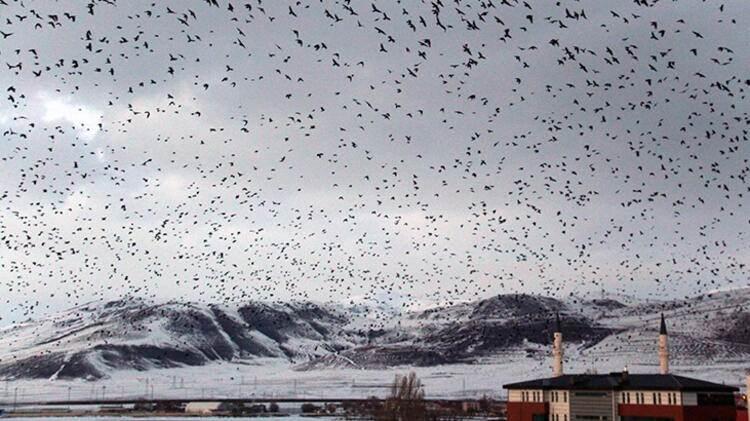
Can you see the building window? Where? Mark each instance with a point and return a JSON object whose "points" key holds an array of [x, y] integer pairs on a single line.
{"points": [[653, 398], [565, 399], [640, 398]]}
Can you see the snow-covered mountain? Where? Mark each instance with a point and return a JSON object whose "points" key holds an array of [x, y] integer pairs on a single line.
{"points": [[90, 340], [466, 333], [96, 339]]}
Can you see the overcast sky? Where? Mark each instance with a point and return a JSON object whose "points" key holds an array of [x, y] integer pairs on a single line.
{"points": [[389, 152]]}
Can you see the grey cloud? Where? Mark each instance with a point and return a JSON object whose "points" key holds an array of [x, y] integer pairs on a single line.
{"points": [[458, 163]]}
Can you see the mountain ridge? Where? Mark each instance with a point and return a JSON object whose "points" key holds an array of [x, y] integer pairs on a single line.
{"points": [[92, 340]]}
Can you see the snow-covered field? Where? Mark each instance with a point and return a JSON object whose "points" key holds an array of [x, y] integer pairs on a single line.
{"points": [[289, 418], [271, 379]]}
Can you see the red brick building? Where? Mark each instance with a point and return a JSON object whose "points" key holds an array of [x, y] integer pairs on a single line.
{"points": [[621, 396]]}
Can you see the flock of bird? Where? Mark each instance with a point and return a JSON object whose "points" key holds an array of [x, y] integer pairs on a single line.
{"points": [[381, 151]]}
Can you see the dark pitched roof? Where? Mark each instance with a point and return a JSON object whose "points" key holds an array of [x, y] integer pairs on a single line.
{"points": [[663, 327], [622, 381]]}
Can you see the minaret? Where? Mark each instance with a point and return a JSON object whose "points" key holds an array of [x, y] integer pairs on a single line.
{"points": [[663, 348], [747, 391], [557, 349]]}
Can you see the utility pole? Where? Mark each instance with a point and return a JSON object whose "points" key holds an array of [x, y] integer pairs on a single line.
{"points": [[15, 398]]}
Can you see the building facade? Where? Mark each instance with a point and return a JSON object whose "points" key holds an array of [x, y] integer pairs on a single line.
{"points": [[620, 396]]}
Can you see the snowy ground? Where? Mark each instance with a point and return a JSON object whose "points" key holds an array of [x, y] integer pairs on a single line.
{"points": [[272, 379], [289, 418]]}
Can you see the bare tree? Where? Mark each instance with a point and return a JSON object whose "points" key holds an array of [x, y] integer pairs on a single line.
{"points": [[406, 401]]}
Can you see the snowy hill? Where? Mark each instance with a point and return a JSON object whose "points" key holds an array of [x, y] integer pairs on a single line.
{"points": [[466, 333], [90, 340], [97, 339]]}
